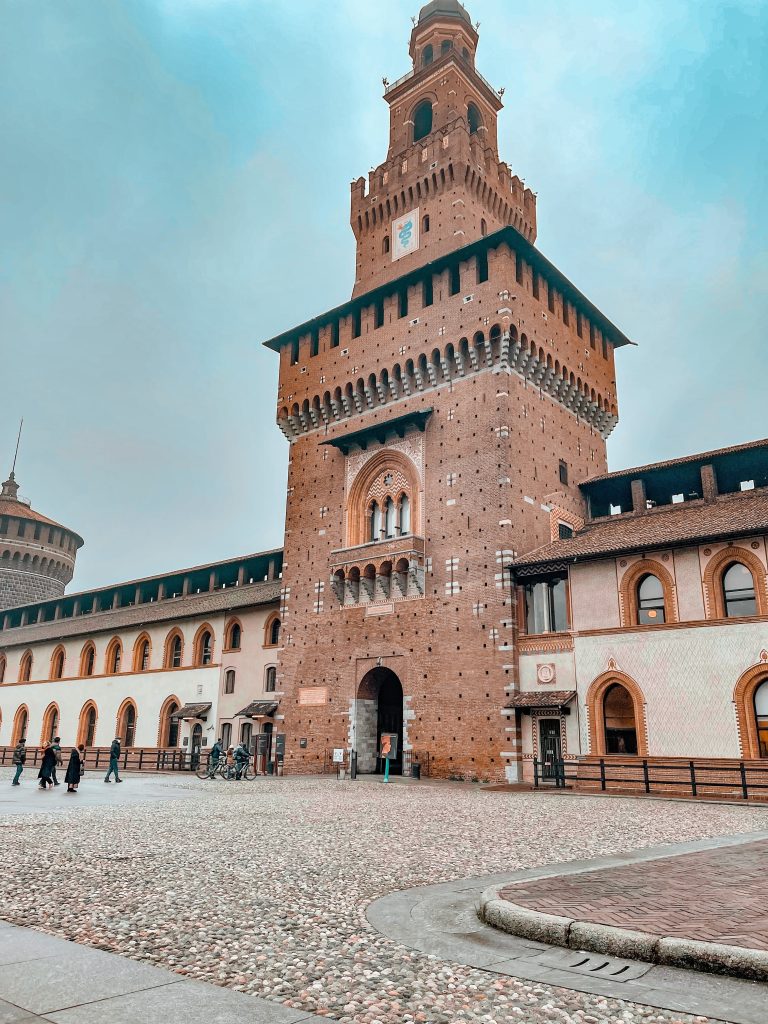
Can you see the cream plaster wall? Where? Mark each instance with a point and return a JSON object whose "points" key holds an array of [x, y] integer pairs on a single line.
{"points": [[594, 595]]}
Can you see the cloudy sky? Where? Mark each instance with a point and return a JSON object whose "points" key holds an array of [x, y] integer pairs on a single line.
{"points": [[174, 189]]}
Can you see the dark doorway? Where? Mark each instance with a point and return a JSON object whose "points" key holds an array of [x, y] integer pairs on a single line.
{"points": [[549, 743], [390, 718], [620, 723], [197, 742]]}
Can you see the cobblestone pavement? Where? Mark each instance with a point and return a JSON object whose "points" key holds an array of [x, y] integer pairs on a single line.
{"points": [[714, 896], [262, 887]]}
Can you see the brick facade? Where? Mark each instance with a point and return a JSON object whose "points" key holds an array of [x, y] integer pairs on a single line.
{"points": [[469, 376]]}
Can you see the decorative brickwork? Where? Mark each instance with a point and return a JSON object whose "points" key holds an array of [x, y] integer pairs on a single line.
{"points": [[714, 570], [744, 701], [628, 600]]}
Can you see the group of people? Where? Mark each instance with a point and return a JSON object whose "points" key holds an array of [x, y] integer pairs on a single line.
{"points": [[236, 757], [52, 759]]}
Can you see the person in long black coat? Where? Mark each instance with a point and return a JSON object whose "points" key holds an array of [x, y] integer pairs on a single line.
{"points": [[46, 768], [75, 768]]}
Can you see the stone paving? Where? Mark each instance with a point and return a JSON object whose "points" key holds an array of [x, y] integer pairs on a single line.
{"points": [[262, 887], [713, 896]]}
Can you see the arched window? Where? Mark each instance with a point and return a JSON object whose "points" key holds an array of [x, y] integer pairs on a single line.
{"points": [[270, 679], [86, 733], [375, 518], [25, 667], [174, 650], [204, 646], [169, 726], [385, 244], [2, 668], [114, 656], [445, 47], [422, 120], [226, 735], [126, 724], [650, 600], [425, 223], [619, 717], [405, 515], [739, 591], [234, 636], [245, 734], [474, 120], [88, 659], [761, 717], [427, 55], [141, 654], [272, 632], [229, 681], [50, 724], [57, 663], [20, 723], [389, 518]]}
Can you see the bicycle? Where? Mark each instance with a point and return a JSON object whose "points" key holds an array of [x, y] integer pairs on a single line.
{"points": [[211, 770], [235, 771]]}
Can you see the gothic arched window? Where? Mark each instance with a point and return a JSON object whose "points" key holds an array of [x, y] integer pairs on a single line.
{"points": [[405, 515], [422, 120], [650, 600], [474, 120], [389, 518], [375, 520]]}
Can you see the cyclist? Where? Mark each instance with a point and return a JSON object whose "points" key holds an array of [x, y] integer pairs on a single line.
{"points": [[242, 757], [216, 751]]}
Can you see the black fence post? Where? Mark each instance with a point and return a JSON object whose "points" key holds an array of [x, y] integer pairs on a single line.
{"points": [[602, 775], [693, 777], [535, 773], [744, 790], [646, 776]]}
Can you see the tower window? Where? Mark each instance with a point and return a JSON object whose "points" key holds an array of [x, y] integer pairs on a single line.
{"points": [[483, 227], [402, 303], [425, 223], [455, 285], [563, 469], [335, 334], [422, 120], [445, 47], [474, 120], [427, 292], [294, 351], [427, 55], [482, 266], [314, 342], [385, 244]]}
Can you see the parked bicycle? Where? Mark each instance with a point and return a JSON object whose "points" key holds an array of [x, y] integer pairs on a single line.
{"points": [[225, 771]]}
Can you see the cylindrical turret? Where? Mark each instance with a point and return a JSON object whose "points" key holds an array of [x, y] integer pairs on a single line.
{"points": [[37, 555]]}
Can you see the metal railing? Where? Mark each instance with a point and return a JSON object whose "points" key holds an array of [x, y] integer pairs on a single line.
{"points": [[695, 778], [132, 759], [406, 763]]}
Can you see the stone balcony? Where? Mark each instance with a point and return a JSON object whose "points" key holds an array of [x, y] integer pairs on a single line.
{"points": [[384, 570]]}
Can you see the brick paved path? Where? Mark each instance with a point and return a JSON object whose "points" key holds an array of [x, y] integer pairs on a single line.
{"points": [[714, 896]]}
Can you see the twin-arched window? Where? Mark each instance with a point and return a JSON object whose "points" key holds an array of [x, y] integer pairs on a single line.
{"points": [[739, 596], [389, 519]]}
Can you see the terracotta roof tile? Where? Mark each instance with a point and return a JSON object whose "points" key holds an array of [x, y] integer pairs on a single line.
{"points": [[732, 515], [545, 699], [9, 507]]}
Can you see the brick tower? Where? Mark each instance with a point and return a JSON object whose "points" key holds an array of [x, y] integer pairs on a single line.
{"points": [[438, 422]]}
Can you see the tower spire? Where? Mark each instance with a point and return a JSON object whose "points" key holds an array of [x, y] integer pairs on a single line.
{"points": [[18, 442], [10, 487]]}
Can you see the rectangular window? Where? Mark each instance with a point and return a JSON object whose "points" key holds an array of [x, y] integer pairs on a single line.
{"points": [[578, 324], [605, 347], [551, 298], [294, 351], [591, 335], [335, 334], [455, 285], [563, 472], [566, 317], [314, 342], [402, 303], [378, 319], [564, 531], [546, 607], [356, 323], [518, 268], [482, 267], [427, 293], [535, 284]]}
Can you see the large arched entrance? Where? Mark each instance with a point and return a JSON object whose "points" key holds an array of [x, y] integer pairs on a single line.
{"points": [[378, 709]]}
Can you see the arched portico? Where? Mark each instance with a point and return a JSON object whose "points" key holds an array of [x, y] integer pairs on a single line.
{"points": [[378, 709]]}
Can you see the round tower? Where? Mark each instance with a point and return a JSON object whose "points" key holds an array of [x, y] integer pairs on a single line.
{"points": [[37, 555]]}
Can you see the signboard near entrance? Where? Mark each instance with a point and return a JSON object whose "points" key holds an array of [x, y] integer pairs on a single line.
{"points": [[388, 746], [280, 747], [262, 744]]}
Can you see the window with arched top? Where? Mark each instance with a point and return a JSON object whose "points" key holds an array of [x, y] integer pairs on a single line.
{"points": [[88, 659], [650, 600], [174, 650], [474, 120], [86, 731], [272, 631], [422, 120], [445, 47], [204, 646], [483, 227], [761, 717], [50, 724], [171, 726], [270, 679], [126, 724], [142, 651], [389, 518], [233, 636], [20, 723], [229, 681], [425, 223], [114, 657], [385, 244], [375, 520], [427, 55], [57, 663], [739, 596], [620, 721], [25, 667]]}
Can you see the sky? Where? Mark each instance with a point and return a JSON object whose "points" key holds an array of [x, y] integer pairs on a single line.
{"points": [[174, 190]]}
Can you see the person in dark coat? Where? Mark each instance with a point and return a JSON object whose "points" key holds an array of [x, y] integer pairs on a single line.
{"points": [[114, 755], [46, 768], [19, 757], [75, 768], [57, 751]]}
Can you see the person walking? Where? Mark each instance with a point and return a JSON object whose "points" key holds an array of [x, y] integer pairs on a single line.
{"points": [[114, 755], [19, 757], [47, 766], [216, 751], [75, 768], [56, 745]]}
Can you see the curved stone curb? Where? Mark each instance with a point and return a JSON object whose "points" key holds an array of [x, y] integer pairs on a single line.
{"points": [[671, 951]]}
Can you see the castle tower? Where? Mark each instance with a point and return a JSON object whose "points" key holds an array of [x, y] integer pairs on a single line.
{"points": [[37, 555], [442, 183], [439, 423]]}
